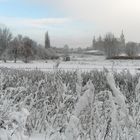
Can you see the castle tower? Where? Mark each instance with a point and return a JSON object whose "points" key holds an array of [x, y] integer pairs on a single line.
{"points": [[122, 39], [122, 43]]}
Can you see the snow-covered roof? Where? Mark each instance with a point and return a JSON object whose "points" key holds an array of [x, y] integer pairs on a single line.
{"points": [[122, 54], [93, 51]]}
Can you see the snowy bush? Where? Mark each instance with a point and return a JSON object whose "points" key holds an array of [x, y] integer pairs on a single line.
{"points": [[70, 105]]}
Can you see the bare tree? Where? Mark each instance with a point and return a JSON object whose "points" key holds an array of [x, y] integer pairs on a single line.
{"points": [[27, 49], [15, 49], [5, 38], [111, 45], [94, 43], [131, 49]]}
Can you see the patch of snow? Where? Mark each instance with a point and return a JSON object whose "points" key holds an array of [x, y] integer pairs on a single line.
{"points": [[38, 137]]}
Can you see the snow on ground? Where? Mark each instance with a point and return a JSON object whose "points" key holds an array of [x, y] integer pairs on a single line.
{"points": [[84, 64], [132, 65], [38, 137]]}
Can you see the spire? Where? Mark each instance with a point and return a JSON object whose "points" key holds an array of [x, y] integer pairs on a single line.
{"points": [[122, 38]]}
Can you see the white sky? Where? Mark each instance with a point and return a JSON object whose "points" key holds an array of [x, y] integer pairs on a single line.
{"points": [[77, 21]]}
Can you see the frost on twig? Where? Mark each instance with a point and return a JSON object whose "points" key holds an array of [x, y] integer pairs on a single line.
{"points": [[121, 113], [85, 99], [119, 97]]}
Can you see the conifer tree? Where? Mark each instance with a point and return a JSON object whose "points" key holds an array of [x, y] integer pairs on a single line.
{"points": [[47, 40]]}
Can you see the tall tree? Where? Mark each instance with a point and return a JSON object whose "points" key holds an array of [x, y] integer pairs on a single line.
{"points": [[27, 49], [100, 44], [131, 49], [47, 40], [111, 45], [94, 43], [5, 38], [14, 48]]}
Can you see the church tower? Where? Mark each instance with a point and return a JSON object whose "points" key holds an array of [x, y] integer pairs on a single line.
{"points": [[122, 43], [122, 39]]}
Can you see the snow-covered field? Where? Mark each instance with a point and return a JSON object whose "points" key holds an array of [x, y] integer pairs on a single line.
{"points": [[118, 65], [38, 137], [64, 104]]}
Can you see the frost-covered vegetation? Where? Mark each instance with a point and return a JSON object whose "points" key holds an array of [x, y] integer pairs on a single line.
{"points": [[69, 105]]}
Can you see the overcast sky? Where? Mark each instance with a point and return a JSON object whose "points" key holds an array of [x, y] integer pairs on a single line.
{"points": [[72, 22]]}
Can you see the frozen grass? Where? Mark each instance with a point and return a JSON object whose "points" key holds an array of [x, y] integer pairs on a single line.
{"points": [[74, 90]]}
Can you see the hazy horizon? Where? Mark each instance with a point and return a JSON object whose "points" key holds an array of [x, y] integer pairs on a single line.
{"points": [[72, 22]]}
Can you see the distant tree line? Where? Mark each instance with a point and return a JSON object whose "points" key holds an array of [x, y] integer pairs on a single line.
{"points": [[23, 48], [116, 47]]}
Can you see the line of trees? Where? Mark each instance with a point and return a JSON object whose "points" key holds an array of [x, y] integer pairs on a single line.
{"points": [[116, 47], [22, 47]]}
